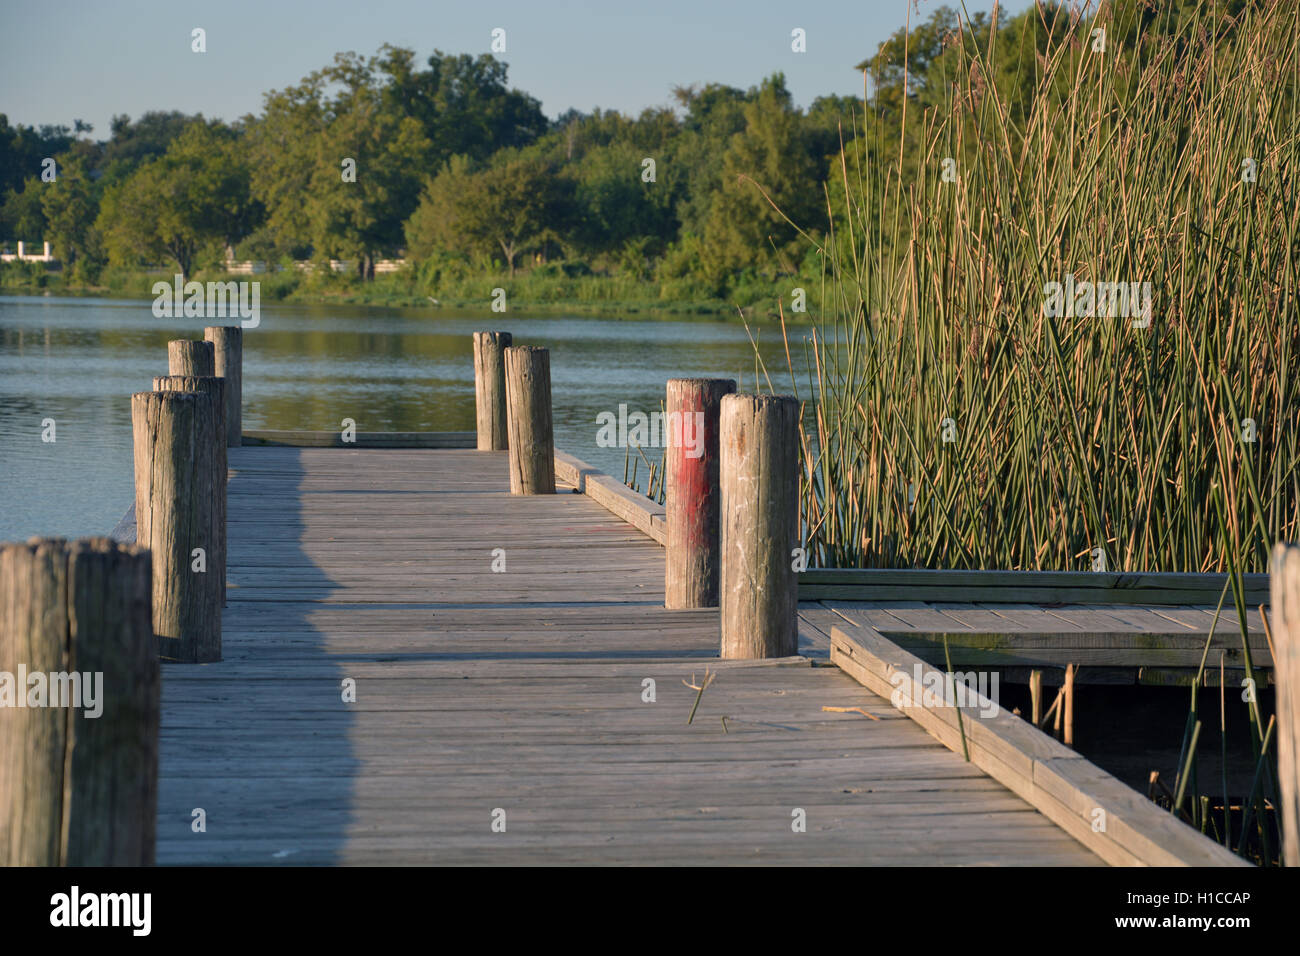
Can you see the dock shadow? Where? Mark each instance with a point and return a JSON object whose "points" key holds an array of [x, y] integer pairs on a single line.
{"points": [[262, 742]]}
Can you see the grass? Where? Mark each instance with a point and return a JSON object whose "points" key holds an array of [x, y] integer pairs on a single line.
{"points": [[539, 291]]}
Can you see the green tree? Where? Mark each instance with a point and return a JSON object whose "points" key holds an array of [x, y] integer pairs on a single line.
{"points": [[433, 226], [335, 166], [131, 144], [196, 194], [462, 104], [614, 204], [70, 205], [22, 148], [714, 114], [771, 156], [22, 215], [512, 203], [510, 206]]}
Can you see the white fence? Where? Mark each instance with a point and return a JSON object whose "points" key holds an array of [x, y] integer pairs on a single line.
{"points": [[250, 267], [247, 268], [24, 256]]}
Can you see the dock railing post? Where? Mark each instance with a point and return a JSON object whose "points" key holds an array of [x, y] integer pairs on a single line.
{"points": [[80, 780], [190, 357], [214, 388], [490, 389], [758, 593], [228, 363], [528, 416], [1284, 584], [176, 440], [692, 495]]}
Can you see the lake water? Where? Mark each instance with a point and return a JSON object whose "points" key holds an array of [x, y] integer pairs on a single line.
{"points": [[77, 361]]}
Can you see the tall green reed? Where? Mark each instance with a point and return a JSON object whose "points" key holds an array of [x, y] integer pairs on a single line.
{"points": [[954, 424]]}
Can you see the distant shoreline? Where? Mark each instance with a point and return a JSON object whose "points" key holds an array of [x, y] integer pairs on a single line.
{"points": [[384, 296]]}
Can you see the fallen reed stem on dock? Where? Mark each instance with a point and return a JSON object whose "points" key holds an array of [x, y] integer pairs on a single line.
{"points": [[699, 688]]}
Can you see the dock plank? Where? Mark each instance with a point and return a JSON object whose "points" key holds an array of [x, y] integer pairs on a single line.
{"points": [[1136, 637], [524, 691]]}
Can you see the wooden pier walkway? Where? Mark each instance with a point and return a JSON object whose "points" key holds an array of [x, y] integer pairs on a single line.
{"points": [[522, 691]]}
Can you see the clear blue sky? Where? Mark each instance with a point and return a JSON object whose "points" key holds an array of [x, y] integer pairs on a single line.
{"points": [[61, 60]]}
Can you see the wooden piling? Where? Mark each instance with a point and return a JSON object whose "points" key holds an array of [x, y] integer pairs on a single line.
{"points": [[759, 478], [77, 789], [528, 417], [191, 357], [176, 440], [215, 388], [490, 389], [692, 496], [228, 363], [1285, 596]]}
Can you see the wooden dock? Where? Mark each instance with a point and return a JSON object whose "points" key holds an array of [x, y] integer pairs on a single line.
{"points": [[407, 649], [523, 691]]}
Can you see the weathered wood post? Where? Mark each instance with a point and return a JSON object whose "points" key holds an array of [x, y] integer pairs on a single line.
{"points": [[1284, 586], [228, 363], [79, 736], [692, 497], [214, 388], [760, 526], [490, 388], [190, 357], [176, 439], [528, 417]]}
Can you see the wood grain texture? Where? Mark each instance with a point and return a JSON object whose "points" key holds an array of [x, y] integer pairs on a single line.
{"points": [[215, 389], [523, 690], [113, 766], [760, 525], [1062, 785], [638, 510], [530, 435], [318, 439], [228, 363], [33, 741], [574, 471], [1067, 587], [693, 498], [632, 506], [1007, 635], [191, 357], [80, 780], [490, 389], [176, 437], [1285, 576]]}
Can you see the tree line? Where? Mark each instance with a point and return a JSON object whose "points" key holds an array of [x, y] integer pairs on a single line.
{"points": [[373, 157], [448, 165]]}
